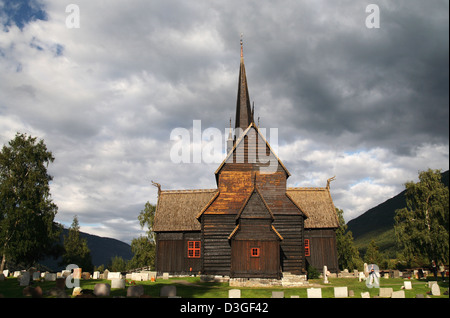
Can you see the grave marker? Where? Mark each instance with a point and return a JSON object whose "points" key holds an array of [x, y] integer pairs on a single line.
{"points": [[314, 292]]}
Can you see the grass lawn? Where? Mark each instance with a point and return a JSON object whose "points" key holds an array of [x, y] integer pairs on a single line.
{"points": [[192, 287]]}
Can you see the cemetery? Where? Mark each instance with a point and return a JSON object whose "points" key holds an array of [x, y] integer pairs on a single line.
{"points": [[147, 284]]}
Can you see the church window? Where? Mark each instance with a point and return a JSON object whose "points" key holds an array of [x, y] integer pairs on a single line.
{"points": [[307, 250], [193, 249], [254, 252]]}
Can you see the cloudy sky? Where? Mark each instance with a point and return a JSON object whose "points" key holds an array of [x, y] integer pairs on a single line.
{"points": [[367, 105]]}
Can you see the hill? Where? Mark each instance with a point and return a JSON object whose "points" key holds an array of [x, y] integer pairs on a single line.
{"points": [[103, 249], [378, 223]]}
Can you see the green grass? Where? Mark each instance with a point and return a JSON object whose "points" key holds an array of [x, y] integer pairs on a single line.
{"points": [[192, 287]]}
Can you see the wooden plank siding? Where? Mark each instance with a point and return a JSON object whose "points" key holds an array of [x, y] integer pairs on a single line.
{"points": [[292, 251], [323, 250], [172, 255]]}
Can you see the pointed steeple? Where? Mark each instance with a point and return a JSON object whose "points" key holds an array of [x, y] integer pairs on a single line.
{"points": [[244, 115]]}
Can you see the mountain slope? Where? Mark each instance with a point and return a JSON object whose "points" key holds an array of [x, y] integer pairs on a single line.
{"points": [[378, 222], [103, 249]]}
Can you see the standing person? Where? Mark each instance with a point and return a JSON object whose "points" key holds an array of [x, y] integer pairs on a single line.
{"points": [[442, 270], [434, 269]]}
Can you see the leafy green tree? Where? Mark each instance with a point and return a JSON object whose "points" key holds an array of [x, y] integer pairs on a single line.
{"points": [[27, 230], [118, 264], [144, 247], [147, 217], [422, 227], [76, 248], [144, 253], [373, 255], [348, 255]]}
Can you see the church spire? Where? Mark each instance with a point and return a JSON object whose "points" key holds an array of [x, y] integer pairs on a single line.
{"points": [[244, 116]]}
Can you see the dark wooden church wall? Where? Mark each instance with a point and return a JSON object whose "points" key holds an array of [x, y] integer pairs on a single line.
{"points": [[215, 245], [292, 247], [171, 253], [323, 251]]}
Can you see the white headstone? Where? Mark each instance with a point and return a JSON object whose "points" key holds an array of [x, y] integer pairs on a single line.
{"points": [[325, 273], [340, 292], [435, 290], [165, 275], [117, 283], [234, 293], [112, 275], [365, 295], [386, 292], [314, 292], [6, 272], [398, 294], [361, 276], [96, 275], [407, 285]]}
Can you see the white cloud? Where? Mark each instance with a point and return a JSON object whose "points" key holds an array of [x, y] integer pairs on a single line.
{"points": [[346, 101]]}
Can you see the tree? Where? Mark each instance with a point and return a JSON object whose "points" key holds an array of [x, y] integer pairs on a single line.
{"points": [[27, 230], [76, 249], [147, 217], [144, 248], [422, 227], [373, 255], [348, 255], [144, 253]]}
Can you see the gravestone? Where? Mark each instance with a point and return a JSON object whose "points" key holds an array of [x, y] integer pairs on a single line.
{"points": [[277, 294], [24, 279], [77, 273], [135, 291], [398, 294], [112, 275], [420, 296], [77, 291], [340, 292], [435, 290], [431, 283], [102, 289], [365, 295], [118, 283], [386, 292], [36, 275], [96, 275], [105, 274], [168, 291], [314, 292], [234, 293], [6, 272], [325, 272], [2, 277], [16, 274], [50, 277], [165, 275], [361, 276], [407, 285]]}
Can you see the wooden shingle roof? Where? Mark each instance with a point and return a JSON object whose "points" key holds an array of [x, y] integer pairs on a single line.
{"points": [[317, 204], [177, 210]]}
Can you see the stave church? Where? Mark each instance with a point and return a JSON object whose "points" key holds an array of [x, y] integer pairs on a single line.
{"points": [[252, 225]]}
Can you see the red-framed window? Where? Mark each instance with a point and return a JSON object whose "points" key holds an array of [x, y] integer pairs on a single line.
{"points": [[307, 250], [254, 252], [194, 249]]}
